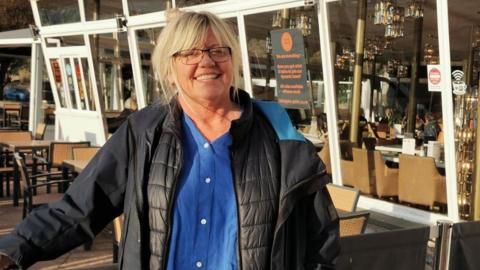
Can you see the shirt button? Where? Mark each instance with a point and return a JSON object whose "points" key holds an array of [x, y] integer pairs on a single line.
{"points": [[208, 180], [198, 264], [206, 145], [203, 221]]}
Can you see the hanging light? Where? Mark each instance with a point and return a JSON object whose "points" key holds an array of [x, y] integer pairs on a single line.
{"points": [[277, 19], [429, 55], [414, 9], [381, 11], [396, 20]]}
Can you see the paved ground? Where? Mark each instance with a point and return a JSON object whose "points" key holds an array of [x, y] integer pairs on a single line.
{"points": [[100, 254]]}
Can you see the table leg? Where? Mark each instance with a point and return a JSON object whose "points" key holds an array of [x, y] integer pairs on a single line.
{"points": [[16, 184]]}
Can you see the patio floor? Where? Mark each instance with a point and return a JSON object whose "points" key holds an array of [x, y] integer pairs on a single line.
{"points": [[99, 256]]}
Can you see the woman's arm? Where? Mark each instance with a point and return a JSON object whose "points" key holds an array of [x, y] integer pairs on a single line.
{"points": [[91, 202]]}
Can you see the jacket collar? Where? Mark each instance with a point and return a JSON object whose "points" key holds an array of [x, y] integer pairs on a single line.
{"points": [[238, 129]]}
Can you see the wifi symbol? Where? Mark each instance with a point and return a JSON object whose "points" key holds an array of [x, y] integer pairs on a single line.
{"points": [[457, 75]]}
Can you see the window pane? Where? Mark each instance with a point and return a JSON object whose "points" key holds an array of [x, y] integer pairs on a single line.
{"points": [[57, 74], [465, 59], [58, 12], [104, 9], [187, 3], [69, 71], [114, 71], [387, 83], [264, 86], [138, 7]]}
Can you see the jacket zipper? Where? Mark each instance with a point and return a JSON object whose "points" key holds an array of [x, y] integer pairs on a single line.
{"points": [[170, 206], [239, 254]]}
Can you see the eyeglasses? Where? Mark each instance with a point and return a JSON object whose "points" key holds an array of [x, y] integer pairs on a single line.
{"points": [[194, 56]]}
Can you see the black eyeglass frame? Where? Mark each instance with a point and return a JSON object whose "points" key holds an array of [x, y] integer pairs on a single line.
{"points": [[184, 59]]}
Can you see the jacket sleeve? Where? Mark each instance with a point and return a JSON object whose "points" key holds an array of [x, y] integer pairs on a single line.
{"points": [[323, 240], [91, 202]]}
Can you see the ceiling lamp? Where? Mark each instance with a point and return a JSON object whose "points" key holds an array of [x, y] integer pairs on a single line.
{"points": [[414, 9], [430, 56]]}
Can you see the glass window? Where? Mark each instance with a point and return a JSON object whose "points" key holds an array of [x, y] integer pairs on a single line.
{"points": [[99, 10], [387, 81], [187, 3], [57, 12], [137, 7], [264, 86], [65, 41], [57, 75], [465, 60], [114, 72]]}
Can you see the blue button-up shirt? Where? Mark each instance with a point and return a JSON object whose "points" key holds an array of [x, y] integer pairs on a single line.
{"points": [[204, 229]]}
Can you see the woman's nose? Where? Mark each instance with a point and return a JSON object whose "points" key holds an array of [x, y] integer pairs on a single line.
{"points": [[206, 60]]}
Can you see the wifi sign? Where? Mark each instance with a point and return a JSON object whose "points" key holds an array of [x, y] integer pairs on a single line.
{"points": [[457, 75]]}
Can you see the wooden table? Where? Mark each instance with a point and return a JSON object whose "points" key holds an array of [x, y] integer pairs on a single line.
{"points": [[395, 148], [75, 165], [17, 146]]}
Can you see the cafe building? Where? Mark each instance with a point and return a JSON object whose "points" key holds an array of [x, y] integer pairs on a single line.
{"points": [[387, 89]]}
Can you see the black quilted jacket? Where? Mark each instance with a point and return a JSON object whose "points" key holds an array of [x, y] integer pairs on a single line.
{"points": [[286, 218]]}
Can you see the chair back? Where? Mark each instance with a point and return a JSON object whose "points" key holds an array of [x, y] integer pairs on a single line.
{"points": [[364, 178], [40, 131], [84, 153], [353, 223], [344, 198], [386, 179], [25, 182], [419, 181], [60, 151], [15, 136], [324, 155], [347, 172]]}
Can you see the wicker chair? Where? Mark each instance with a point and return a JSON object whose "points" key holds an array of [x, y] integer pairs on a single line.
{"points": [[58, 152], [84, 153], [364, 177], [344, 198], [419, 181], [386, 179], [353, 223], [324, 155]]}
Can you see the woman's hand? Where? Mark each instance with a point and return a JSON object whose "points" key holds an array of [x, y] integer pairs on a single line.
{"points": [[5, 262]]}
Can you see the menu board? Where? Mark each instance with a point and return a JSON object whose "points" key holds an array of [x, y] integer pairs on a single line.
{"points": [[290, 70]]}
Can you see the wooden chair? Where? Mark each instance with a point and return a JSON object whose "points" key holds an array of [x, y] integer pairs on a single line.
{"points": [[58, 152], [20, 121], [117, 235], [353, 223], [419, 181], [364, 176], [386, 179], [27, 182], [39, 131], [84, 153], [12, 112], [344, 198], [324, 155]]}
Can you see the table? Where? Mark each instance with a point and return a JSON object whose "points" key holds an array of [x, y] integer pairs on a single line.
{"points": [[394, 158], [75, 165], [17, 146], [395, 148]]}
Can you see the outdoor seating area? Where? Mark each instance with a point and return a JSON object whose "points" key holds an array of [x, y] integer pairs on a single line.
{"points": [[36, 172], [402, 170]]}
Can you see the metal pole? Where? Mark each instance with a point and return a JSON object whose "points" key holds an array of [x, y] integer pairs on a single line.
{"points": [[412, 98], [442, 245], [357, 72], [372, 88]]}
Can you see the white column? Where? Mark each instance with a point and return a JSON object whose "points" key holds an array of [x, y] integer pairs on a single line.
{"points": [[36, 77], [329, 88], [447, 109]]}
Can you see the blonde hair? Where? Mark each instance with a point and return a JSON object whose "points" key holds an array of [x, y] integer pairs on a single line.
{"points": [[186, 30]]}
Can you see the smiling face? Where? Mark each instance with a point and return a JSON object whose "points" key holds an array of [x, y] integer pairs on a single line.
{"points": [[207, 82]]}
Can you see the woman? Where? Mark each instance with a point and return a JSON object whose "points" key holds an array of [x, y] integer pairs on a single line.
{"points": [[210, 180]]}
